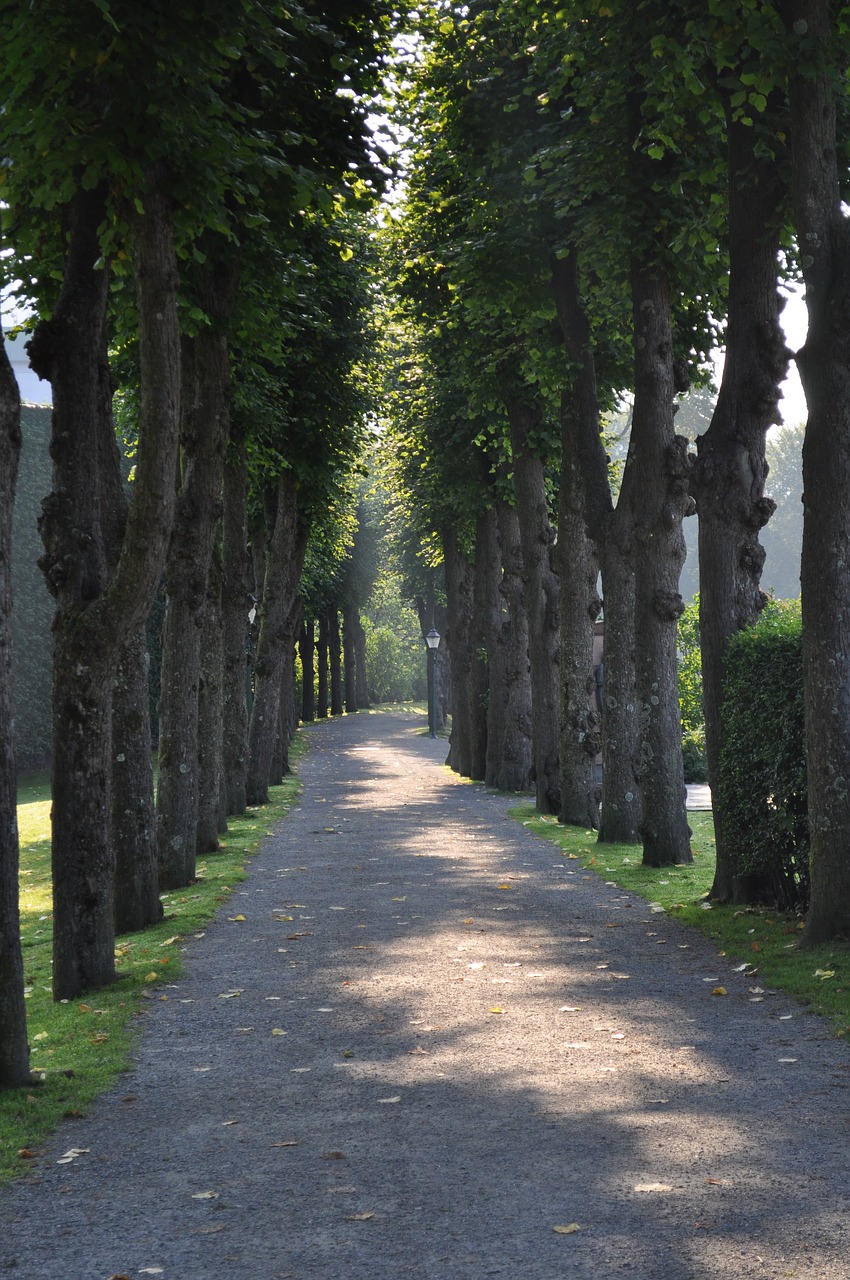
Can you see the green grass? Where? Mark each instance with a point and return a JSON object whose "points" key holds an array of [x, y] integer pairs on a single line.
{"points": [[80, 1047], [767, 940]]}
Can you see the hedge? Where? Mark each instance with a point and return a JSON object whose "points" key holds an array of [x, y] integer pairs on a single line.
{"points": [[762, 775]]}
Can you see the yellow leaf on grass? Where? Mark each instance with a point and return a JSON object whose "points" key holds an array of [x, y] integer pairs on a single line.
{"points": [[151, 977], [568, 1230], [824, 973]]}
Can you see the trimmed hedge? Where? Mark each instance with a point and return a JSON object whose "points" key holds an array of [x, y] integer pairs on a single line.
{"points": [[762, 782]]}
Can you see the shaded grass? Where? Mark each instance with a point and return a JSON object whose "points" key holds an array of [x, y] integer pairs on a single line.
{"points": [[79, 1047], [768, 940]]}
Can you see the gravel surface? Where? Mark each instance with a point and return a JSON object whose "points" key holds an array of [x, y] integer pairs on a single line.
{"points": [[432, 1048]]}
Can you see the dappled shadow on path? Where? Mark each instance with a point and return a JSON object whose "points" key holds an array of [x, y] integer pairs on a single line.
{"points": [[418, 1040], [553, 1053]]}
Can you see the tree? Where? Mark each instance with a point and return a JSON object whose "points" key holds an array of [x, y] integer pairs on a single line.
{"points": [[14, 1050], [817, 50]]}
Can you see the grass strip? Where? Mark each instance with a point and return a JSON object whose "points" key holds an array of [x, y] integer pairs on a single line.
{"points": [[819, 977], [79, 1047]]}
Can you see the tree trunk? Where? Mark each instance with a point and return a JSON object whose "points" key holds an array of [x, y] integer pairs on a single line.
{"points": [[509, 765], [578, 570], [307, 652], [279, 615], [322, 665], [205, 429], [361, 683], [349, 658], [728, 479], [335, 659], [541, 596], [619, 815], [458, 627], [14, 1050], [137, 901], [211, 807], [655, 489], [93, 623], [133, 825], [235, 605], [823, 232], [486, 603], [582, 447]]}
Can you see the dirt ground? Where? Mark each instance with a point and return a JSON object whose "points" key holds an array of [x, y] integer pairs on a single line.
{"points": [[418, 1043]]}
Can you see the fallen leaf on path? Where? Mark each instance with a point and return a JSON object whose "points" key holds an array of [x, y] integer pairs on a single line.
{"points": [[206, 1231], [568, 1230], [397, 1098], [236, 919], [205, 1195], [72, 1155], [653, 1186], [570, 1008], [717, 1182], [292, 1142], [278, 1031], [358, 1217], [720, 991], [333, 1155], [496, 1009], [230, 995], [418, 1049]]}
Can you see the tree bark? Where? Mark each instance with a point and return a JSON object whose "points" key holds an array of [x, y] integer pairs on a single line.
{"points": [[205, 428], [349, 658], [823, 233], [235, 602], [307, 652], [509, 764], [14, 1050], [655, 490], [361, 683], [279, 614], [335, 659], [212, 794], [137, 901], [579, 738], [458, 629], [322, 692], [94, 621], [582, 446], [486, 575], [541, 596], [728, 479]]}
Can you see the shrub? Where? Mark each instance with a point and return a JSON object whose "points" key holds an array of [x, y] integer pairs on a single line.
{"points": [[693, 755], [762, 782]]}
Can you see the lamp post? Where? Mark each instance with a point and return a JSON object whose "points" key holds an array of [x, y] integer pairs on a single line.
{"points": [[433, 641]]}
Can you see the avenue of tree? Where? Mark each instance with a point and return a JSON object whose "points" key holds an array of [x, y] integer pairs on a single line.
{"points": [[590, 196]]}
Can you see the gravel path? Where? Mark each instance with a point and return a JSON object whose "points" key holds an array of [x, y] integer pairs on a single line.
{"points": [[429, 1048]]}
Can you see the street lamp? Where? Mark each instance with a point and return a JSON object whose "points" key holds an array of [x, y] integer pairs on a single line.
{"points": [[433, 642]]}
